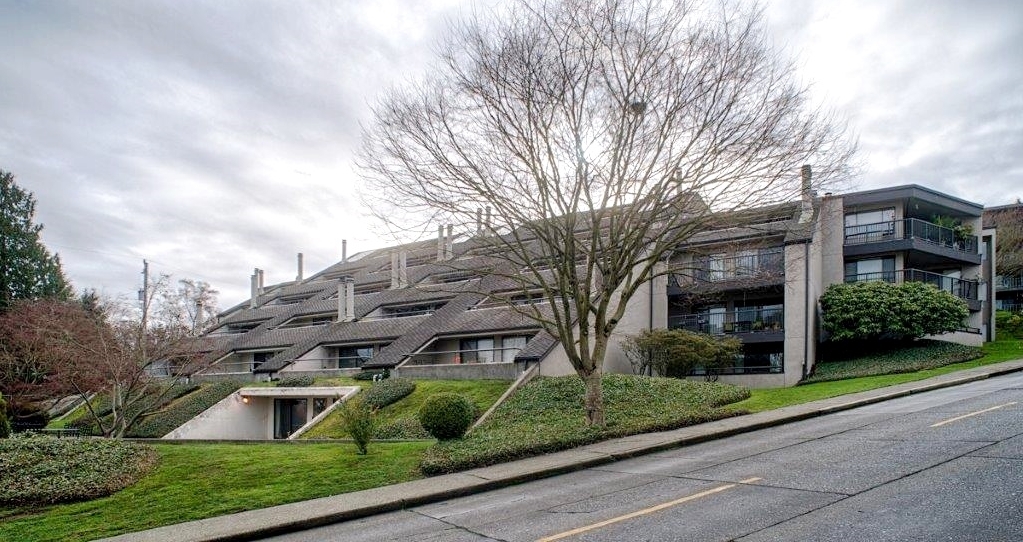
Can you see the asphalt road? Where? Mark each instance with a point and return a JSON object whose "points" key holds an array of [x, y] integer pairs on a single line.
{"points": [[941, 465]]}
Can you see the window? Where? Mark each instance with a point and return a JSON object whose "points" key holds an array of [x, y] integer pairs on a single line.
{"points": [[259, 358], [411, 310], [869, 270], [870, 226], [716, 267], [310, 320], [476, 350], [352, 357], [511, 346]]}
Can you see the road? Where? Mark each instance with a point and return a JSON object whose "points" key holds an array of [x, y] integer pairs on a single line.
{"points": [[941, 465]]}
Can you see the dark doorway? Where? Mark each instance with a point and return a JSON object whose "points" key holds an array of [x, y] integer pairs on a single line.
{"points": [[289, 415]]}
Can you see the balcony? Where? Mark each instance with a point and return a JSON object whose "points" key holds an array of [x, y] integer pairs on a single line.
{"points": [[763, 268], [963, 289], [464, 356], [911, 234], [761, 323], [1008, 283]]}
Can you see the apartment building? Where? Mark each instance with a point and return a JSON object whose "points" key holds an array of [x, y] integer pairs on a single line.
{"points": [[1007, 220], [430, 309]]}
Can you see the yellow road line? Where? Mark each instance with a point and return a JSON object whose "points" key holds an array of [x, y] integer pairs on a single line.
{"points": [[957, 418], [646, 511]]}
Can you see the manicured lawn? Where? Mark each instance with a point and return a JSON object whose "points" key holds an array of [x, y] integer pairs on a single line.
{"points": [[767, 399], [482, 393], [195, 481]]}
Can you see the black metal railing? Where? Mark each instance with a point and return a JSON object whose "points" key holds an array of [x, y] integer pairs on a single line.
{"points": [[965, 289], [747, 364], [911, 228], [1010, 282], [765, 263], [465, 356], [747, 320]]}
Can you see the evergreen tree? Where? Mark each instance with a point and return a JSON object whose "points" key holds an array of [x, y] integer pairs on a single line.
{"points": [[27, 269]]}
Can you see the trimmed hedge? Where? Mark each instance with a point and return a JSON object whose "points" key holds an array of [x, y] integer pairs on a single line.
{"points": [[870, 311], [101, 404], [160, 423], [296, 382], [388, 391], [446, 415], [372, 375], [41, 470]]}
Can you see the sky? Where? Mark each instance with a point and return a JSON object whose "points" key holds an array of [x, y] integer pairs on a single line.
{"points": [[213, 137]]}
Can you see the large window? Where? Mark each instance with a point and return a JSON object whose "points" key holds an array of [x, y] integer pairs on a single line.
{"points": [[870, 270], [870, 226], [351, 357], [511, 346], [476, 350]]}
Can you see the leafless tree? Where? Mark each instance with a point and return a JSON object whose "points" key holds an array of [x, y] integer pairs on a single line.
{"points": [[191, 305], [1009, 222], [601, 134]]}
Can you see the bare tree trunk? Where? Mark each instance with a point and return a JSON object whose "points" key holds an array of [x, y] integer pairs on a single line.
{"points": [[593, 401]]}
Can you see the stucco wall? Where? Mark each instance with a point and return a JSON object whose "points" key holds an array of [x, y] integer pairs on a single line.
{"points": [[230, 419]]}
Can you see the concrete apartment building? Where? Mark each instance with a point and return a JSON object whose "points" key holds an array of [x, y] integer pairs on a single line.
{"points": [[1008, 284], [429, 310]]}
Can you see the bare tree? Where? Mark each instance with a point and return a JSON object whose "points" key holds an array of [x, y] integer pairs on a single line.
{"points": [[1009, 222], [191, 305], [602, 134], [116, 352]]}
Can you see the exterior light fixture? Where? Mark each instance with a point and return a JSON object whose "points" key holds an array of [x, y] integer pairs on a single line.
{"points": [[245, 400]]}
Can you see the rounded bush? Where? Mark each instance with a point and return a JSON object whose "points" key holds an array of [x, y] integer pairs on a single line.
{"points": [[446, 415], [388, 391]]}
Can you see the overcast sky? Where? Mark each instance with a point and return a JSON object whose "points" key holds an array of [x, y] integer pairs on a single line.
{"points": [[214, 137]]}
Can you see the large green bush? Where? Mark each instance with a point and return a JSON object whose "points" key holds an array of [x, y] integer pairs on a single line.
{"points": [[303, 381], [446, 415], [676, 352], [40, 470], [869, 311], [170, 418], [1009, 324], [388, 391]]}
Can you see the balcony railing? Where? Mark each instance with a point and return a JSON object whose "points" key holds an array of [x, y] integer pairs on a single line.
{"points": [[965, 289], [749, 320], [733, 268], [910, 228], [470, 356], [1011, 282]]}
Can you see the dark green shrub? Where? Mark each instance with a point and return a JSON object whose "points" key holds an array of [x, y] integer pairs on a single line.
{"points": [[1009, 324], [372, 375], [295, 382], [5, 426], [446, 415], [869, 311], [676, 352], [905, 358], [160, 423], [359, 421], [388, 391], [402, 428], [40, 470]]}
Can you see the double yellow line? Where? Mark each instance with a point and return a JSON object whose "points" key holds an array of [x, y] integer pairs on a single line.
{"points": [[646, 511]]}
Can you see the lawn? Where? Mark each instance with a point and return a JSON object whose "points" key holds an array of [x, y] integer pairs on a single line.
{"points": [[195, 481], [483, 393], [768, 399]]}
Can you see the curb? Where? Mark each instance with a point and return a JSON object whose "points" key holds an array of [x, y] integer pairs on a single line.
{"points": [[286, 518]]}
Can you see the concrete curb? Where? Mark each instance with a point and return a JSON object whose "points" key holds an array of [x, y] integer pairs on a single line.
{"points": [[254, 524]]}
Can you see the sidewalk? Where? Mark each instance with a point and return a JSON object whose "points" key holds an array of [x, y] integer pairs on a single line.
{"points": [[297, 516]]}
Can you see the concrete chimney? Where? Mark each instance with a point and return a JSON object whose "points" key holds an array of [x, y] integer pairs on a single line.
{"points": [[806, 193], [394, 269], [346, 299], [449, 244], [262, 286], [486, 222], [403, 269], [479, 221], [254, 289], [440, 243], [344, 251], [298, 277]]}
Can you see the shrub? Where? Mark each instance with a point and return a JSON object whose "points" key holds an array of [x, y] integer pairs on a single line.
{"points": [[358, 419], [870, 311], [303, 381], [446, 415], [40, 470], [402, 428], [5, 425], [1009, 323], [388, 391], [372, 375], [676, 352], [160, 423], [908, 357]]}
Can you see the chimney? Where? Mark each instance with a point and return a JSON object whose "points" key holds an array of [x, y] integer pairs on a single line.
{"points": [[486, 222], [440, 243], [299, 276], [346, 299], [344, 251], [806, 206], [479, 222], [403, 269], [262, 288], [254, 290], [394, 269], [449, 244]]}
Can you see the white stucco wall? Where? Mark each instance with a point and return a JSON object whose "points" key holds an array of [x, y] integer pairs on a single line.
{"points": [[230, 419]]}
